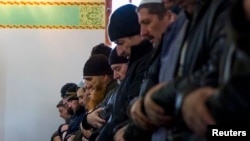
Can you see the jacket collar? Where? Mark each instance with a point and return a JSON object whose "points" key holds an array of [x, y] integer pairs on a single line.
{"points": [[112, 84], [140, 50], [80, 111]]}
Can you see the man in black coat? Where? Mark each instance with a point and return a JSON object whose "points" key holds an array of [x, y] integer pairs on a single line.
{"points": [[124, 30], [229, 103], [197, 63]]}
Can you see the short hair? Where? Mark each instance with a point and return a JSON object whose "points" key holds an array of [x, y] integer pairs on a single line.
{"points": [[60, 104], [154, 8]]}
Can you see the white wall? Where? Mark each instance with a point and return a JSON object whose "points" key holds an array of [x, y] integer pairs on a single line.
{"points": [[34, 66]]}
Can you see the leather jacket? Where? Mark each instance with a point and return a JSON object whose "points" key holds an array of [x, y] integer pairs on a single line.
{"points": [[206, 41], [230, 105]]}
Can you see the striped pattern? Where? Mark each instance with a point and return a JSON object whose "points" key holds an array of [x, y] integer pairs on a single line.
{"points": [[52, 15]]}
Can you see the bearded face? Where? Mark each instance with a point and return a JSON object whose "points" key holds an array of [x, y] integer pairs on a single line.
{"points": [[96, 91], [96, 97]]}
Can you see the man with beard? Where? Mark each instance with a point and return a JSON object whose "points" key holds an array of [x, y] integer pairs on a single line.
{"points": [[124, 30], [119, 65], [63, 110], [64, 89], [98, 73], [154, 19], [75, 120]]}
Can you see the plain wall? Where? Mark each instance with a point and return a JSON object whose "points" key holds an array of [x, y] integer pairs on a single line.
{"points": [[35, 63]]}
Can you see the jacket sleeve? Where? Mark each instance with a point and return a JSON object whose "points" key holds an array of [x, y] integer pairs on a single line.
{"points": [[125, 94], [231, 103], [170, 97], [132, 132], [85, 123]]}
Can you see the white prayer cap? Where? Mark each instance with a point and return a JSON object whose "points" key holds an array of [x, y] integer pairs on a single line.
{"points": [[150, 1], [81, 84]]}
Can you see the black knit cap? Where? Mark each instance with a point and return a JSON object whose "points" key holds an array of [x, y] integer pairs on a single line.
{"points": [[123, 22], [71, 93], [101, 49], [115, 59], [65, 88], [97, 65]]}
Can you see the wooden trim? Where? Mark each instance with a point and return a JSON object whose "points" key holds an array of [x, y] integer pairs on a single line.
{"points": [[108, 11]]}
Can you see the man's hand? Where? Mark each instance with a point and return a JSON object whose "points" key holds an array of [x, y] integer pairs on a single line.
{"points": [[63, 129], [119, 134], [195, 112], [57, 138], [94, 119], [138, 117], [86, 133], [246, 8], [155, 113], [71, 138]]}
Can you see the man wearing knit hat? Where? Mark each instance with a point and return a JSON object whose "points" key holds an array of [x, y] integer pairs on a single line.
{"points": [[64, 90], [154, 19], [119, 65], [124, 30], [98, 73], [78, 110]]}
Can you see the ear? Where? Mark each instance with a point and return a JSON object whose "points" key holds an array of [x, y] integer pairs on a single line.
{"points": [[106, 78], [170, 16]]}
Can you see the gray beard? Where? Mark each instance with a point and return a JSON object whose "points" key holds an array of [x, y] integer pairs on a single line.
{"points": [[119, 82]]}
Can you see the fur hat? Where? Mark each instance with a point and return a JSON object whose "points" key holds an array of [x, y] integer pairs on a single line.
{"points": [[115, 59], [97, 65], [123, 22]]}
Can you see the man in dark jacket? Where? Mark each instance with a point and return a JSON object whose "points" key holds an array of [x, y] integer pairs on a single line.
{"points": [[202, 45], [124, 30], [154, 19], [99, 74], [229, 103], [78, 110], [119, 65]]}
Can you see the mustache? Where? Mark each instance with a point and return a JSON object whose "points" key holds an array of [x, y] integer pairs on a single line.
{"points": [[149, 37]]}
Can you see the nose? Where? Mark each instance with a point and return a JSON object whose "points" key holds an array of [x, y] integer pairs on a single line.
{"points": [[87, 93], [144, 31], [64, 101], [116, 76], [81, 102], [119, 50], [69, 104]]}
